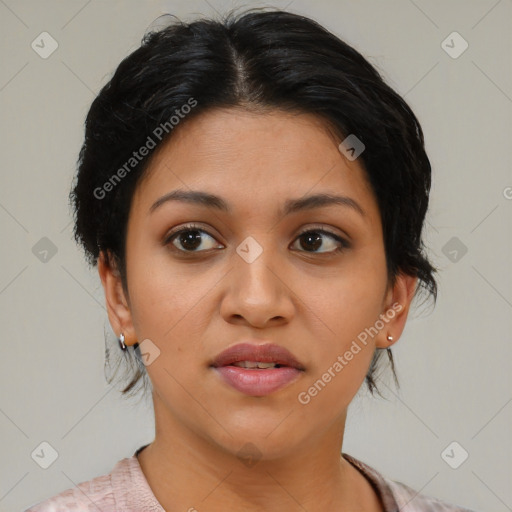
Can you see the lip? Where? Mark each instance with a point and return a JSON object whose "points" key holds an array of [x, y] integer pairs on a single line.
{"points": [[250, 351], [257, 382]]}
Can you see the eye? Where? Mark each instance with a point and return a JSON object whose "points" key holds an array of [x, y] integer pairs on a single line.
{"points": [[313, 239], [191, 238]]}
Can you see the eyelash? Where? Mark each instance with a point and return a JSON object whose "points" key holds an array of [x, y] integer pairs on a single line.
{"points": [[344, 244]]}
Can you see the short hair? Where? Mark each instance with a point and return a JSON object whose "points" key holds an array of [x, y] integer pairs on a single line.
{"points": [[258, 60]]}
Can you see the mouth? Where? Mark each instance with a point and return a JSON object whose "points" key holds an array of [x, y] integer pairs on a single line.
{"points": [[251, 355], [257, 370], [257, 365]]}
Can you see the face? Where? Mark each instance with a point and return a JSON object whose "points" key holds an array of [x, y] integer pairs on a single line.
{"points": [[202, 278]]}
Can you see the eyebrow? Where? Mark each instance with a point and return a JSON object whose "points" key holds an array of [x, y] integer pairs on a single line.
{"points": [[290, 206]]}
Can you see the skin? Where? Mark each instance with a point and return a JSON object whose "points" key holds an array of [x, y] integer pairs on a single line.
{"points": [[294, 294]]}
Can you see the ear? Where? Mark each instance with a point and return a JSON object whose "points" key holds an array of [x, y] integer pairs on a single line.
{"points": [[396, 308], [118, 308]]}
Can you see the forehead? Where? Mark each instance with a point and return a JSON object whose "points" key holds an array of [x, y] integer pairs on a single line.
{"points": [[254, 158], [230, 134]]}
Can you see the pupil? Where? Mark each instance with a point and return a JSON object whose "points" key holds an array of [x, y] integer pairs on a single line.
{"points": [[191, 239], [315, 237]]}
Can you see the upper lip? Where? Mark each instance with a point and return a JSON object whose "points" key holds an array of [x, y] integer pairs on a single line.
{"points": [[249, 351]]}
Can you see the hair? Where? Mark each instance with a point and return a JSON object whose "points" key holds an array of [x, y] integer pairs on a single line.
{"points": [[259, 61]]}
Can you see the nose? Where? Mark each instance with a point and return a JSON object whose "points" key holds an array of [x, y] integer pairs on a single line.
{"points": [[257, 292]]}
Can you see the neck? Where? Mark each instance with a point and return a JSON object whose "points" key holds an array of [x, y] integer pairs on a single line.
{"points": [[188, 472]]}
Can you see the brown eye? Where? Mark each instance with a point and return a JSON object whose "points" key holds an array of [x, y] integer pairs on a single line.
{"points": [[314, 239], [191, 239]]}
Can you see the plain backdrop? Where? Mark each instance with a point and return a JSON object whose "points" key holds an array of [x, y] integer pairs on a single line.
{"points": [[453, 361]]}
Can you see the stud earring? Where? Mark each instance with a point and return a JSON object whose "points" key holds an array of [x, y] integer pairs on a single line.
{"points": [[121, 342], [390, 338]]}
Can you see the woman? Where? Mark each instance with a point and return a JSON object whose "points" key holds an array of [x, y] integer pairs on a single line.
{"points": [[253, 195]]}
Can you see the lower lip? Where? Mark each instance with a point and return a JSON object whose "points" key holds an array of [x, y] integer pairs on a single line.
{"points": [[258, 382]]}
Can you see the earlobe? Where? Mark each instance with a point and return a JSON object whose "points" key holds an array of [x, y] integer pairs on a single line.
{"points": [[118, 310], [397, 305]]}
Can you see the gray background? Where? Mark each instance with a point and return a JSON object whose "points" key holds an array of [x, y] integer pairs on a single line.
{"points": [[453, 361]]}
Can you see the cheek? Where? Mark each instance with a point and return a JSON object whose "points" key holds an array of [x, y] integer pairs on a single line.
{"points": [[168, 308], [346, 302], [342, 351], [343, 316], [328, 394]]}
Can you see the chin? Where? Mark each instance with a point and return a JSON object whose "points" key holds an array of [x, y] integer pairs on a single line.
{"points": [[265, 440]]}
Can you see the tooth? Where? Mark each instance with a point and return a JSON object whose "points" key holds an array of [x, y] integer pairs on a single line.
{"points": [[250, 364], [266, 365], [254, 364], [246, 364]]}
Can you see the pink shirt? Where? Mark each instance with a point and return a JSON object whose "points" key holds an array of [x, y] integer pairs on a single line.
{"points": [[125, 489]]}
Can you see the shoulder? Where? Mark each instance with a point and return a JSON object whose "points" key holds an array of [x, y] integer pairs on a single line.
{"points": [[124, 489], [409, 500], [92, 495], [397, 496]]}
